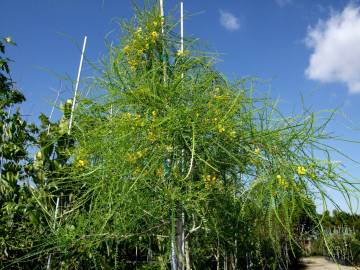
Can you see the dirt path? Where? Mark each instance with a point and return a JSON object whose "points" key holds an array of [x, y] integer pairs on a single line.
{"points": [[319, 263]]}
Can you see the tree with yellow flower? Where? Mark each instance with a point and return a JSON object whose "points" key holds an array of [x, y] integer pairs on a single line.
{"points": [[194, 159]]}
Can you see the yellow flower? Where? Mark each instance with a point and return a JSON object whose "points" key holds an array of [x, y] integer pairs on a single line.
{"points": [[128, 115], [180, 53], [209, 180], [221, 128], [131, 158], [232, 133], [257, 151], [169, 148], [140, 51], [154, 114], [126, 49], [137, 171], [139, 154], [151, 136], [282, 182], [132, 63], [154, 35], [301, 170], [159, 172], [80, 163]]}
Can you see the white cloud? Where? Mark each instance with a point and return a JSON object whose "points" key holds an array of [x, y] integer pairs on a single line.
{"points": [[283, 3], [336, 49], [229, 21]]}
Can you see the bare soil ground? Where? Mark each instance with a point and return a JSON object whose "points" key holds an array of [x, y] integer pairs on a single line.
{"points": [[320, 263]]}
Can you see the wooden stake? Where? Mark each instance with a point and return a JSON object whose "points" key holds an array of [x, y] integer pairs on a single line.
{"points": [[77, 85]]}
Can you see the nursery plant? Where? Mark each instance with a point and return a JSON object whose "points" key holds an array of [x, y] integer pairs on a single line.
{"points": [[175, 166], [170, 165]]}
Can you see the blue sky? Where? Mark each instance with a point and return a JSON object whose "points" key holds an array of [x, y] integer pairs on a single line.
{"points": [[296, 47]]}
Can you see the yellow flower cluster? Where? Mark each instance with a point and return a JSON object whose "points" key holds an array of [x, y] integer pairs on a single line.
{"points": [[137, 171], [80, 163], [138, 120], [126, 49], [151, 136], [301, 170], [221, 129], [209, 180], [159, 172], [158, 21], [133, 157], [138, 45], [133, 64], [181, 53], [169, 148], [282, 182], [154, 35]]}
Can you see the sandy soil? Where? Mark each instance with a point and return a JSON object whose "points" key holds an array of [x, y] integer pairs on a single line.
{"points": [[319, 263]]}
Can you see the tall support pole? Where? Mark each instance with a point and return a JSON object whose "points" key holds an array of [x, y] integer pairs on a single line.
{"points": [[162, 15], [77, 85], [182, 26], [161, 3], [181, 222]]}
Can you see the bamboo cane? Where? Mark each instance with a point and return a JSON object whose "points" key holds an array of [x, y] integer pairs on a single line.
{"points": [[77, 85]]}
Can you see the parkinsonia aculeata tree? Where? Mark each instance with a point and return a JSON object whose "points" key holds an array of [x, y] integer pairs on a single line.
{"points": [[176, 166]]}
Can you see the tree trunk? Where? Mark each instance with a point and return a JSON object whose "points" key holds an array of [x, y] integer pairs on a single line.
{"points": [[180, 239], [187, 255]]}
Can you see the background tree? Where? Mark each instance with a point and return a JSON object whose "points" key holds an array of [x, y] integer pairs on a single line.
{"points": [[17, 216]]}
